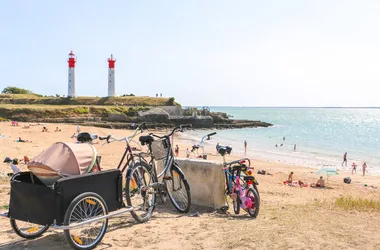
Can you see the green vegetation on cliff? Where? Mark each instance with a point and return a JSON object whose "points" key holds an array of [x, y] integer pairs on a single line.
{"points": [[23, 112], [124, 100]]}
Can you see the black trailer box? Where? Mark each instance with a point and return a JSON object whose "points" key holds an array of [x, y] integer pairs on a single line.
{"points": [[33, 201]]}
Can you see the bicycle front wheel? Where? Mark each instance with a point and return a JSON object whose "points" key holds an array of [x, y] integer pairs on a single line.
{"points": [[178, 189], [138, 195], [255, 199]]}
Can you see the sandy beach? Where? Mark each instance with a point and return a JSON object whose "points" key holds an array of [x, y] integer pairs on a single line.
{"points": [[289, 218]]}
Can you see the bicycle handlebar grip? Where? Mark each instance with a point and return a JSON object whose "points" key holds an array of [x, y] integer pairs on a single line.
{"points": [[108, 138], [211, 134]]}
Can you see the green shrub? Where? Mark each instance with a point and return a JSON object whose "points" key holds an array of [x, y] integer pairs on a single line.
{"points": [[361, 204], [171, 101]]}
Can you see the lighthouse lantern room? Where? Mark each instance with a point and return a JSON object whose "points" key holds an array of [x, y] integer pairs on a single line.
{"points": [[71, 60], [111, 76]]}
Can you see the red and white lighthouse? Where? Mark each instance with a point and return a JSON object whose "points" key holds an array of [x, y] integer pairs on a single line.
{"points": [[111, 76], [71, 61]]}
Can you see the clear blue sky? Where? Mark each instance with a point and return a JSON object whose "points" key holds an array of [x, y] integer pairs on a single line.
{"points": [[214, 52]]}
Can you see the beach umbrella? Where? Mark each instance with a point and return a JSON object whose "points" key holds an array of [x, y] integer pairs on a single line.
{"points": [[328, 172]]}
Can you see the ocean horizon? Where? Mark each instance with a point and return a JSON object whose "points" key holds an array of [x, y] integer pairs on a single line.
{"points": [[321, 135]]}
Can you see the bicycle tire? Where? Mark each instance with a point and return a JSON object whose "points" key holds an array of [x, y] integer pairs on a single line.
{"points": [[236, 203], [257, 190], [256, 203], [130, 192], [177, 198], [25, 234], [79, 210]]}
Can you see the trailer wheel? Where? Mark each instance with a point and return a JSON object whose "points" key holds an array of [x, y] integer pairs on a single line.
{"points": [[83, 208], [27, 230]]}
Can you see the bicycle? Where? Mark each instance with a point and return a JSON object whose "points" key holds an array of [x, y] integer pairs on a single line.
{"points": [[196, 147], [242, 191], [174, 183], [132, 160]]}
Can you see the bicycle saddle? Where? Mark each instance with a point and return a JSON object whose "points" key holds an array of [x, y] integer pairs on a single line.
{"points": [[146, 139], [86, 137], [222, 150]]}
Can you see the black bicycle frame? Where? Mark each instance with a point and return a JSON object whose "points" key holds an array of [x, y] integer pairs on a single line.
{"points": [[129, 158]]}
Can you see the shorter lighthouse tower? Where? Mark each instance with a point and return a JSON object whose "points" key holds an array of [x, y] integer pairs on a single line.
{"points": [[71, 61], [111, 76]]}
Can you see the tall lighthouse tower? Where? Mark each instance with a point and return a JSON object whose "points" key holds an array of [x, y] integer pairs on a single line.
{"points": [[111, 76], [71, 61]]}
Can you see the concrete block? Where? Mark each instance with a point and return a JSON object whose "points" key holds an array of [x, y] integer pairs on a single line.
{"points": [[206, 181]]}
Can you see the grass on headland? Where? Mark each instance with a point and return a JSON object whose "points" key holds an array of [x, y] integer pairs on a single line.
{"points": [[84, 100], [10, 111], [361, 204]]}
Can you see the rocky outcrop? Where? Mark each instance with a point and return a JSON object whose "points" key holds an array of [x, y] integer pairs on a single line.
{"points": [[117, 118], [154, 115]]}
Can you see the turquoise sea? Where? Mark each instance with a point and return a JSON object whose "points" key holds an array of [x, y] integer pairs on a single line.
{"points": [[322, 135]]}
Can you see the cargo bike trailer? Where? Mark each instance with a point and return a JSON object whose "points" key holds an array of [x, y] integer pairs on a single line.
{"points": [[79, 205], [66, 190]]}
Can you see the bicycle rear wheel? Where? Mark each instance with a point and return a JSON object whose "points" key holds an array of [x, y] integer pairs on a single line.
{"points": [[236, 202], [138, 195], [253, 195], [178, 189]]}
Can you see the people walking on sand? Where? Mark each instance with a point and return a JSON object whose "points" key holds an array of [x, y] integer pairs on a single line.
{"points": [[344, 159], [78, 129], [245, 146], [364, 167], [187, 153], [353, 168], [176, 150]]}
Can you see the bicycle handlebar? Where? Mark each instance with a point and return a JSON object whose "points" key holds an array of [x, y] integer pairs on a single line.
{"points": [[180, 127], [248, 167], [140, 128], [240, 161], [206, 136]]}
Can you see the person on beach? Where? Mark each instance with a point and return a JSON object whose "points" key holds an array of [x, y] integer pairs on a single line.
{"points": [[364, 167], [295, 147], [290, 178], [176, 150], [21, 140], [14, 166], [26, 160], [245, 146], [344, 159], [187, 153], [320, 183], [78, 129], [353, 168]]}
